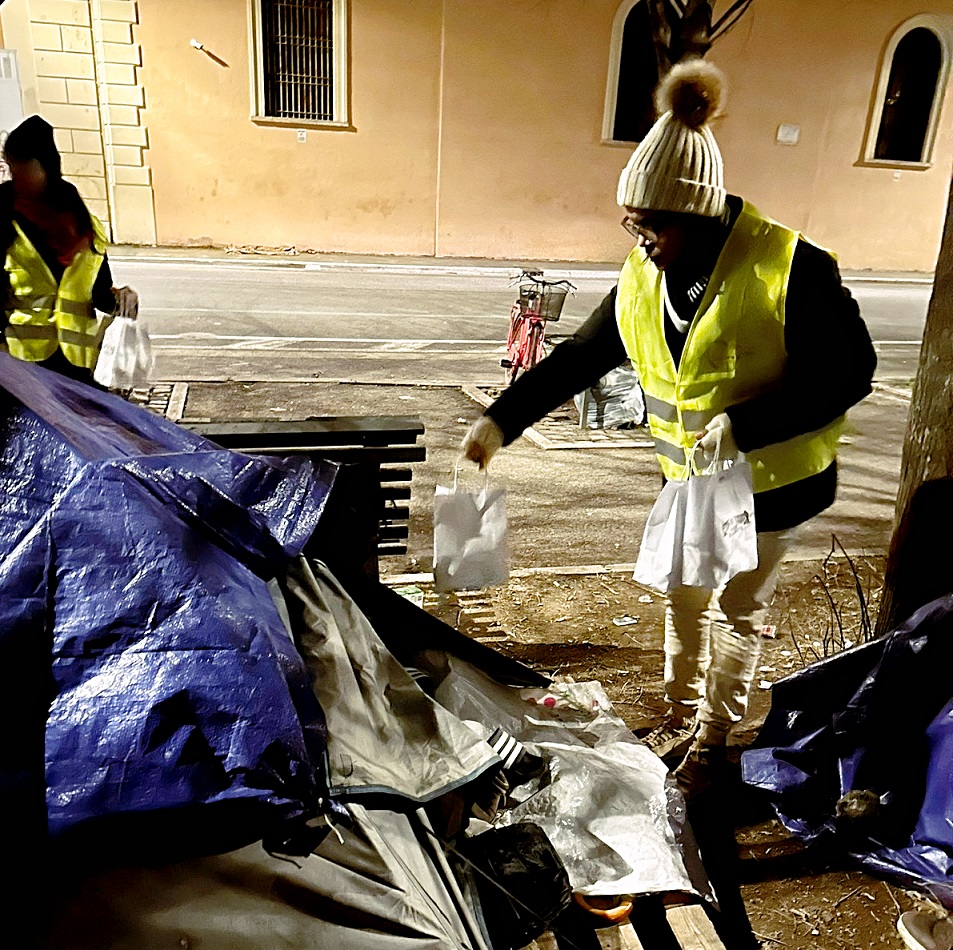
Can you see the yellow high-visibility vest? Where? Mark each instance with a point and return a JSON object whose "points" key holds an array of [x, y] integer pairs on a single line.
{"points": [[734, 350], [43, 315]]}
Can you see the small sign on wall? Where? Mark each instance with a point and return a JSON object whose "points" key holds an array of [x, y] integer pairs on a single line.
{"points": [[788, 134]]}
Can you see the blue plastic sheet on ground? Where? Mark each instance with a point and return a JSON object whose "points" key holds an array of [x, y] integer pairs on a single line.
{"points": [[145, 665], [877, 718]]}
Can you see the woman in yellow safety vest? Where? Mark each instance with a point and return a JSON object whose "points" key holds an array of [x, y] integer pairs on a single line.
{"points": [[743, 337], [56, 273]]}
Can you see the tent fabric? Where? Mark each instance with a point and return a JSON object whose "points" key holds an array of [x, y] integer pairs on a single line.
{"points": [[877, 718], [385, 735], [137, 634], [380, 887]]}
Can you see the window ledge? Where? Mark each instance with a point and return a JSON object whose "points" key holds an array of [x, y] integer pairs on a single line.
{"points": [[893, 163], [266, 120], [619, 143]]}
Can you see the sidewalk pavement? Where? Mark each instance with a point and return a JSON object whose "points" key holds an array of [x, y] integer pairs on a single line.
{"points": [[476, 267]]}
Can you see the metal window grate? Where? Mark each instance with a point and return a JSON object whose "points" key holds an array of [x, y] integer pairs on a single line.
{"points": [[298, 58]]}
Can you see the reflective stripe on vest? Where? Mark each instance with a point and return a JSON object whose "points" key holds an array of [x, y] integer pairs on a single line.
{"points": [[733, 351], [44, 316]]}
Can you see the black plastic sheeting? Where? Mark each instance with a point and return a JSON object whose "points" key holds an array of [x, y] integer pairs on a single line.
{"points": [[877, 718], [145, 667]]}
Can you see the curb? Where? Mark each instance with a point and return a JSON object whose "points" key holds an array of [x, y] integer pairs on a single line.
{"points": [[557, 270]]}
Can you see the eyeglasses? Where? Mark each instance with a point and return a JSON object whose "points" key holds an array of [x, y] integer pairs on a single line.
{"points": [[641, 233]]}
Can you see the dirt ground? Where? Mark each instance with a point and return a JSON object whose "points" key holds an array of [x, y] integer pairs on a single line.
{"points": [[603, 626], [571, 622]]}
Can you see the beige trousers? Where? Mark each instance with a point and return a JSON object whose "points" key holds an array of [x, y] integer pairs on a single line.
{"points": [[713, 641]]}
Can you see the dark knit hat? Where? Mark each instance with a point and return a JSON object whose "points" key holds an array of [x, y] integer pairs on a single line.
{"points": [[33, 138]]}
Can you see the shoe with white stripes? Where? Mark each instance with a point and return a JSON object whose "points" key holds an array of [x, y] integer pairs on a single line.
{"points": [[519, 765]]}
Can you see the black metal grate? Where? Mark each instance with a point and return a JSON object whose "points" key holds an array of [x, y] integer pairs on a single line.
{"points": [[298, 57]]}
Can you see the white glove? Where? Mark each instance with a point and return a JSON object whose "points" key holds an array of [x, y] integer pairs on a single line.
{"points": [[717, 442], [127, 303], [482, 441]]}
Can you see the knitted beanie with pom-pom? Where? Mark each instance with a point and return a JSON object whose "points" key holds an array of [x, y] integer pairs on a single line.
{"points": [[677, 166]]}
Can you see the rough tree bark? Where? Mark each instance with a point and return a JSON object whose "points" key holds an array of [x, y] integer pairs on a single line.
{"points": [[918, 561]]}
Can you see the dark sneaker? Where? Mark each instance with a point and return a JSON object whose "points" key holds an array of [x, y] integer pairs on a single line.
{"points": [[519, 765], [703, 766], [672, 739]]}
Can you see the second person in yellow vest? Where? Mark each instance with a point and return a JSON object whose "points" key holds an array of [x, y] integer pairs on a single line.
{"points": [[56, 274], [743, 337]]}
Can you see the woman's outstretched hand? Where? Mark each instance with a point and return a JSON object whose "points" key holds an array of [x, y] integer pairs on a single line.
{"points": [[482, 441]]}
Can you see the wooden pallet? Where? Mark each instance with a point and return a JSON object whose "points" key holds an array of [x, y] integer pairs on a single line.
{"points": [[688, 922]]}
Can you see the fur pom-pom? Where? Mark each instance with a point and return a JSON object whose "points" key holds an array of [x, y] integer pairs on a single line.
{"points": [[693, 91]]}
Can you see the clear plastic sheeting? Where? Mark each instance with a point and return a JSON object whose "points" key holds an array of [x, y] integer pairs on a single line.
{"points": [[616, 823], [146, 668], [858, 748], [615, 401]]}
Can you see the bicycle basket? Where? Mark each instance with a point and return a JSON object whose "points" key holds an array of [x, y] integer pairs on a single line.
{"points": [[551, 302], [529, 295]]}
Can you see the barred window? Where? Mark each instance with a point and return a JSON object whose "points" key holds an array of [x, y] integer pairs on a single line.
{"points": [[300, 56]]}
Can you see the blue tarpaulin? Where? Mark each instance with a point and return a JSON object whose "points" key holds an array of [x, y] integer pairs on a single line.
{"points": [[879, 719], [145, 665]]}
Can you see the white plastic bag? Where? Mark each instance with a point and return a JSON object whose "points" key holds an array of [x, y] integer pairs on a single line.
{"points": [[469, 538], [615, 401], [125, 357], [700, 531]]}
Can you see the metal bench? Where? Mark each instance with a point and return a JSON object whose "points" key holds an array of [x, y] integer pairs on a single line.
{"points": [[376, 453]]}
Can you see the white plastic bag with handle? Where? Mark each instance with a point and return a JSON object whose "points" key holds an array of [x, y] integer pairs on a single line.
{"points": [[700, 531], [125, 357], [659, 563], [469, 537]]}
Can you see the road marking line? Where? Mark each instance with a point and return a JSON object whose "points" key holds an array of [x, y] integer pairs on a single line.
{"points": [[366, 352], [219, 337]]}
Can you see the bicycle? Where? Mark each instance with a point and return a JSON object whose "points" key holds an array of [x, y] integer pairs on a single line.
{"points": [[539, 301]]}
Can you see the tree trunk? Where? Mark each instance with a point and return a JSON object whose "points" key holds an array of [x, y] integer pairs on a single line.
{"points": [[680, 31], [917, 567]]}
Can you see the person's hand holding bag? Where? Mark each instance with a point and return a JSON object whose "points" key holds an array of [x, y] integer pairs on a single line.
{"points": [[482, 441], [717, 442], [469, 537], [125, 357], [127, 303]]}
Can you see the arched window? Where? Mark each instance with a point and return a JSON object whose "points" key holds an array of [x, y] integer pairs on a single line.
{"points": [[633, 75], [909, 94]]}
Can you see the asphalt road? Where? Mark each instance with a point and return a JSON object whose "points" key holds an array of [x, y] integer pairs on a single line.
{"points": [[440, 325], [393, 323]]}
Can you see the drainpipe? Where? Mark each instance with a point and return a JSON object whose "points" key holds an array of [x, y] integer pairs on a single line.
{"points": [[438, 182]]}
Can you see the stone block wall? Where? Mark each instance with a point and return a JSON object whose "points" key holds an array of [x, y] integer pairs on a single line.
{"points": [[86, 61]]}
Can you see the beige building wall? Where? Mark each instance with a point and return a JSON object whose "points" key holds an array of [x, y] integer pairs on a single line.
{"points": [[816, 65], [475, 129], [222, 178], [79, 64]]}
